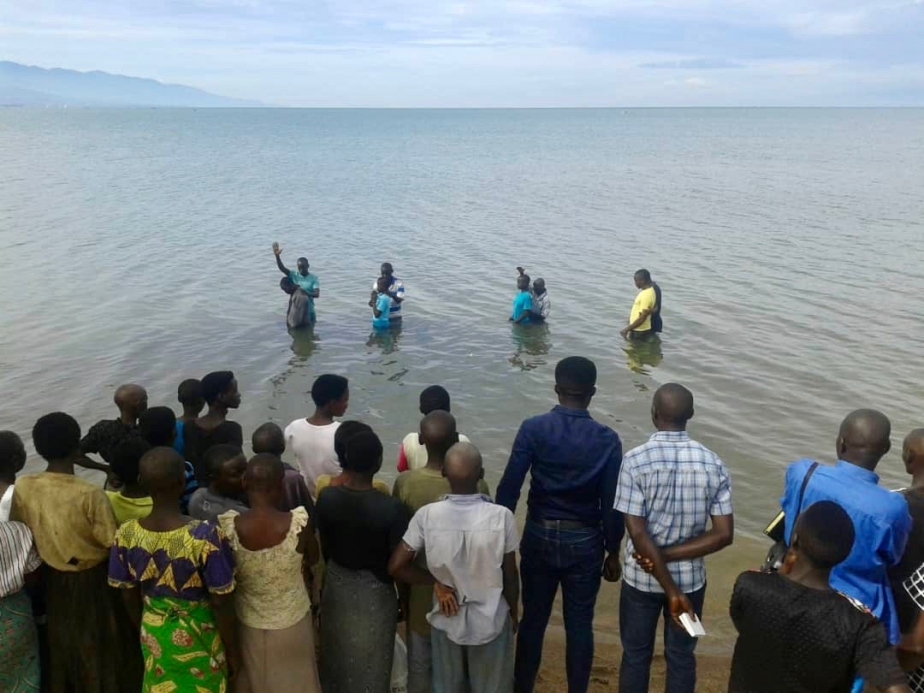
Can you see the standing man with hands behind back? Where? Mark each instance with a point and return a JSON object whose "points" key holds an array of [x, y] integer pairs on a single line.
{"points": [[669, 488], [574, 462]]}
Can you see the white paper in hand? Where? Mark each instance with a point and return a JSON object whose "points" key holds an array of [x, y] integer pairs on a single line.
{"points": [[692, 625]]}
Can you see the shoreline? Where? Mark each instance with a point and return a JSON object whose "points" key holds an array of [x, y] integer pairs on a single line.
{"points": [[713, 654]]}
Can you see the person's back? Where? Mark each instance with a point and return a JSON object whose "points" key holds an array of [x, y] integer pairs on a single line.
{"points": [[884, 526], [465, 541], [798, 635], [795, 638], [574, 463]]}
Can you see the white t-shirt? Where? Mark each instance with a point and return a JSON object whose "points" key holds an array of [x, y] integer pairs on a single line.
{"points": [[415, 453], [6, 502], [465, 539], [313, 447]]}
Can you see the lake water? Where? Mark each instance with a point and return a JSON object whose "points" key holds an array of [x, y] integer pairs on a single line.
{"points": [[789, 245]]}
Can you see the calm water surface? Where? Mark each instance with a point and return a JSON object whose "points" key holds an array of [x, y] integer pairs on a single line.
{"points": [[789, 244]]}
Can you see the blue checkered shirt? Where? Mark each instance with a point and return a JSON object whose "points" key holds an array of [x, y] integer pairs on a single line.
{"points": [[676, 484]]}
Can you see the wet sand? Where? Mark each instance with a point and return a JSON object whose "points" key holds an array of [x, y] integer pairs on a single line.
{"points": [[713, 653]]}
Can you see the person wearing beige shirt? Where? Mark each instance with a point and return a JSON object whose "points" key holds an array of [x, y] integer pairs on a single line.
{"points": [[273, 551], [93, 644]]}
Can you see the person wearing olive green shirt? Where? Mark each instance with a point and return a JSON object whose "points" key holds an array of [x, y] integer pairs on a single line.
{"points": [[415, 489]]}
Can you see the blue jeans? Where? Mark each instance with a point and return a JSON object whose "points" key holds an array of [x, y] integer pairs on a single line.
{"points": [[549, 558], [639, 615]]}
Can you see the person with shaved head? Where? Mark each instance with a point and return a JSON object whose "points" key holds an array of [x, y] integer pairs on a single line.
{"points": [[880, 517], [470, 568], [176, 576], [670, 490], [416, 489], [273, 551], [105, 436]]}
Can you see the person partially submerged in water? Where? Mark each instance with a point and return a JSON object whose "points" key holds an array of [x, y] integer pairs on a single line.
{"points": [[302, 286]]}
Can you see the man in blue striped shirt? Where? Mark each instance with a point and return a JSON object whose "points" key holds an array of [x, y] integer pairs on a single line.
{"points": [[669, 489]]}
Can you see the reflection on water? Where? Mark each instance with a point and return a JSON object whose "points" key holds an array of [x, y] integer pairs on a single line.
{"points": [[304, 343], [530, 341], [386, 340], [643, 353]]}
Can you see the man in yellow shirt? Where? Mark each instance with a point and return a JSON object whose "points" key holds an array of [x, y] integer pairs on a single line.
{"points": [[645, 318]]}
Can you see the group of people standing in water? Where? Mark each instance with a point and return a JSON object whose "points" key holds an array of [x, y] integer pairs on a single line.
{"points": [[531, 304]]}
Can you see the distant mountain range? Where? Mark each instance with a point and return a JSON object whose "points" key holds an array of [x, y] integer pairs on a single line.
{"points": [[24, 85]]}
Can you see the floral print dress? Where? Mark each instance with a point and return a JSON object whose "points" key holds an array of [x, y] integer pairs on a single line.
{"points": [[176, 571]]}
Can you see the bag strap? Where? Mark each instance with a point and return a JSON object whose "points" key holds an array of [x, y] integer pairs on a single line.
{"points": [[805, 481]]}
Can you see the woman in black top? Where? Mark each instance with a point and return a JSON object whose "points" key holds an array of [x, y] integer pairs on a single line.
{"points": [[359, 528]]}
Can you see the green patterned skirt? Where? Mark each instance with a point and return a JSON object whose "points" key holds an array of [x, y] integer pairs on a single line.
{"points": [[19, 653], [182, 648]]}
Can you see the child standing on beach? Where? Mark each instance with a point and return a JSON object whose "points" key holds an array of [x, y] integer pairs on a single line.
{"points": [[131, 501], [380, 302], [225, 466], [522, 302], [178, 576]]}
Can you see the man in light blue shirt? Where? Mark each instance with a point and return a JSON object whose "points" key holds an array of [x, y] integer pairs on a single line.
{"points": [[303, 279], [880, 517], [522, 302]]}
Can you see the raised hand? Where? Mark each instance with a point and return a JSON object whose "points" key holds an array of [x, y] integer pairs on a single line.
{"points": [[277, 251]]}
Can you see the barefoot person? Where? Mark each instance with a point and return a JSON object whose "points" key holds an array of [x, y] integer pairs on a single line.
{"points": [[176, 578], [304, 280], [273, 555]]}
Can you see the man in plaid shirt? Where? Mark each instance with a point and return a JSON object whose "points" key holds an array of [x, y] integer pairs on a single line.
{"points": [[669, 489]]}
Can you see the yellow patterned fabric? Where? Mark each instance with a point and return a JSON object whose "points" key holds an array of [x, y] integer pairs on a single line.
{"points": [[186, 563], [271, 592]]}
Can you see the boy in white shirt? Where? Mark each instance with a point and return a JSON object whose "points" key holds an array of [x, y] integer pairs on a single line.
{"points": [[470, 544]]}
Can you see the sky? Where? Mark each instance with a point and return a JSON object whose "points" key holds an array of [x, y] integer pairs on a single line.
{"points": [[491, 53]]}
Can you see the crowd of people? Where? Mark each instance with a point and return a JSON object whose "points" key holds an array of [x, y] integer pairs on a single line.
{"points": [[200, 570]]}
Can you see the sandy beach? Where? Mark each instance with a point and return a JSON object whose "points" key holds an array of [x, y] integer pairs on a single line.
{"points": [[713, 653]]}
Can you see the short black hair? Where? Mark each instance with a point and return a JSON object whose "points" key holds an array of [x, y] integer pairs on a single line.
{"points": [[265, 472], [268, 438], [215, 384], [344, 432], [363, 453], [435, 398], [189, 391], [158, 426], [216, 456], [576, 374], [644, 275], [12, 454], [126, 459], [162, 469], [56, 436], [328, 388], [824, 533]]}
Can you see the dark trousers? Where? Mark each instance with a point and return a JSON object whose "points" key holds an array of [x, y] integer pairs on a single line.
{"points": [[639, 615], [549, 558]]}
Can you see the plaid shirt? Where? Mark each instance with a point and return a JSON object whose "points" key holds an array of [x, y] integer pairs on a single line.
{"points": [[914, 586], [676, 484]]}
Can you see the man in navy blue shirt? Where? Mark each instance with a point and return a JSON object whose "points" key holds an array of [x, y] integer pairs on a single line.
{"points": [[574, 463]]}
